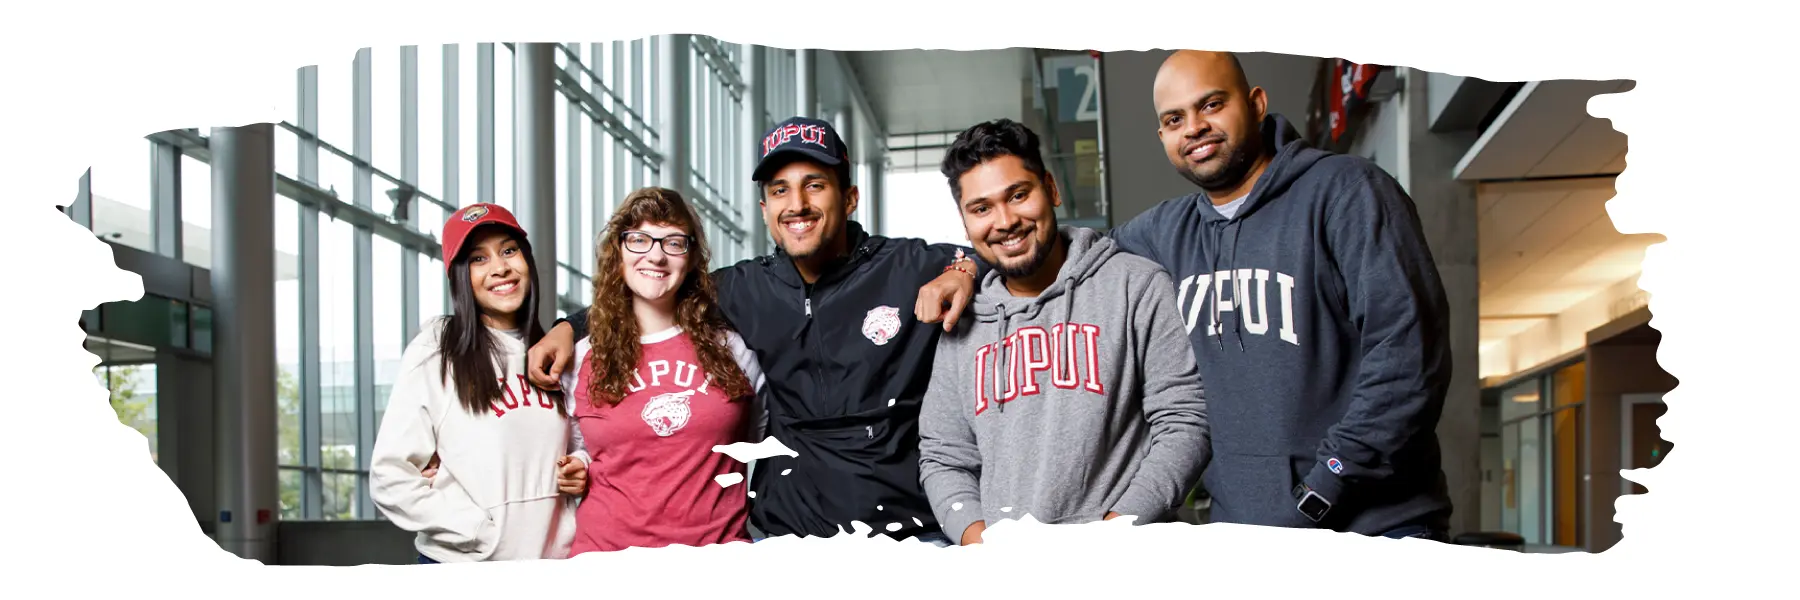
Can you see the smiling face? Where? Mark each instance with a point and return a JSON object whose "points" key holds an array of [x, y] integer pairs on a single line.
{"points": [[498, 275], [1208, 119], [1010, 216], [807, 209], [654, 271]]}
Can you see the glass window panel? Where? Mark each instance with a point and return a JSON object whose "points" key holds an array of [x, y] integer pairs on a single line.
{"points": [[120, 191], [132, 394], [389, 332], [340, 494], [287, 347], [431, 122], [1521, 399], [1565, 476], [287, 152], [559, 109], [468, 135], [1509, 452], [384, 104], [290, 494], [337, 176], [431, 288], [337, 102], [196, 212], [337, 345], [178, 324], [202, 333], [1531, 480], [503, 126]]}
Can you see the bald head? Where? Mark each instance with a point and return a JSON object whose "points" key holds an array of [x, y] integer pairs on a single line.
{"points": [[1185, 68], [1209, 118]]}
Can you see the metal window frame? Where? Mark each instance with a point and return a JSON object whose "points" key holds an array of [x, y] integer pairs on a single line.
{"points": [[409, 171], [363, 287], [311, 370]]}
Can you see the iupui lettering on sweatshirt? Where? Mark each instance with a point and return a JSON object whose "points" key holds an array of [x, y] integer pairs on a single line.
{"points": [[1078, 402], [653, 479], [1321, 326], [494, 496]]}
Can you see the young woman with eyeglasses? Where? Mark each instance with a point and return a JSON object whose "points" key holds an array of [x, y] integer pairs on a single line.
{"points": [[662, 380]]}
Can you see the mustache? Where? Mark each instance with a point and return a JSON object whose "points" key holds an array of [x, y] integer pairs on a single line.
{"points": [[1000, 236], [1190, 146], [809, 213]]}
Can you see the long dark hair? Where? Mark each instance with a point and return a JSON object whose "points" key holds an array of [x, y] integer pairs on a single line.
{"points": [[613, 327], [467, 350]]}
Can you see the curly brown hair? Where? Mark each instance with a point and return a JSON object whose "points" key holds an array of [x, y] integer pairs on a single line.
{"points": [[612, 326]]}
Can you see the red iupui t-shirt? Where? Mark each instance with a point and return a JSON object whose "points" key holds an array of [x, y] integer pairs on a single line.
{"points": [[651, 482]]}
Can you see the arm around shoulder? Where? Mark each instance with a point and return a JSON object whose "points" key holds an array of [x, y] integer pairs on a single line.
{"points": [[404, 444]]}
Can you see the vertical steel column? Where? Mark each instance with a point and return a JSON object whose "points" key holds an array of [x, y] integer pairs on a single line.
{"points": [[672, 123], [409, 172], [312, 492], [244, 371], [363, 290], [534, 163]]}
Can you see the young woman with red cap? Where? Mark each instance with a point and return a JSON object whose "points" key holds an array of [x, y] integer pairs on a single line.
{"points": [[662, 381], [510, 471]]}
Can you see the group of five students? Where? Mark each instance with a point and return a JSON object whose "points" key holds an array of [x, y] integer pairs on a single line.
{"points": [[1065, 382]]}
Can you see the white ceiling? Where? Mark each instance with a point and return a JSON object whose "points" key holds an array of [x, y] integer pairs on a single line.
{"points": [[1546, 169], [1546, 131], [1546, 246], [916, 91]]}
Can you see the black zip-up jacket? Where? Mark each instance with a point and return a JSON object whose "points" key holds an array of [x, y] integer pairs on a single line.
{"points": [[846, 363]]}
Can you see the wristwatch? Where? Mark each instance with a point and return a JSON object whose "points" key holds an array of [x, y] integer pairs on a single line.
{"points": [[1311, 503]]}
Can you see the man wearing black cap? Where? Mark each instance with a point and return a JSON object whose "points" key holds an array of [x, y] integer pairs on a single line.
{"points": [[846, 371]]}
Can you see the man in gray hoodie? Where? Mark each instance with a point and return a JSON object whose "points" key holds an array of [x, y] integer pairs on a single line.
{"points": [[1072, 393]]}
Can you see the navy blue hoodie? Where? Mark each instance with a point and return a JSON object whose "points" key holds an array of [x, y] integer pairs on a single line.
{"points": [[1322, 333]]}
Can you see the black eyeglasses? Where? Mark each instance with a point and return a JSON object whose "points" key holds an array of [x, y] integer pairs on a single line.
{"points": [[640, 243]]}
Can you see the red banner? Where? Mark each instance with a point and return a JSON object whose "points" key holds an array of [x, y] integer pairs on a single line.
{"points": [[1351, 89]]}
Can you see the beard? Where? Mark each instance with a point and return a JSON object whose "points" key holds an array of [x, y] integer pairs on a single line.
{"points": [[1029, 266], [1228, 170]]}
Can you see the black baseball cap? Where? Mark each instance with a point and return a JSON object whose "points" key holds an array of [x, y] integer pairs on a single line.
{"points": [[799, 137]]}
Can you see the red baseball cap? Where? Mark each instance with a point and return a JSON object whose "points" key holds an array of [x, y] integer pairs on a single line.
{"points": [[466, 219]]}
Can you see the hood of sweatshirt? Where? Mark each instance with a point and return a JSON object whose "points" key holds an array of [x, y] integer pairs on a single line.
{"points": [[1088, 251], [1080, 401], [1293, 157]]}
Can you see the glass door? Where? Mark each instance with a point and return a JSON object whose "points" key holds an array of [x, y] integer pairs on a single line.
{"points": [[1640, 440]]}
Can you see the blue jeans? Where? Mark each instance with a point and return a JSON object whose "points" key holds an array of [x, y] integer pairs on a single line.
{"points": [[1417, 531], [426, 560]]}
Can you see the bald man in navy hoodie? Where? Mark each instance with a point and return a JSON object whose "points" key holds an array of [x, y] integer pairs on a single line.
{"points": [[1315, 311]]}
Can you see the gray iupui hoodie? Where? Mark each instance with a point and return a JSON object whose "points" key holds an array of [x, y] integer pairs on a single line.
{"points": [[1081, 401]]}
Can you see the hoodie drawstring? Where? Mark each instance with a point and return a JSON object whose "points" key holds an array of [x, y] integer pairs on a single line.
{"points": [[1242, 307], [1213, 271], [1004, 323], [1219, 281]]}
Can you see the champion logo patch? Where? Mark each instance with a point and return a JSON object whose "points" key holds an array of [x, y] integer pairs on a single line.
{"points": [[1335, 466]]}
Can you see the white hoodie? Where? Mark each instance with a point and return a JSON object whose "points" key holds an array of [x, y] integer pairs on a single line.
{"points": [[494, 496]]}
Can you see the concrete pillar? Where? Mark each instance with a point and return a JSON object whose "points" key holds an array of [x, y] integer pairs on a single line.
{"points": [[806, 103], [672, 112], [755, 82], [243, 286], [1447, 209], [534, 164]]}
